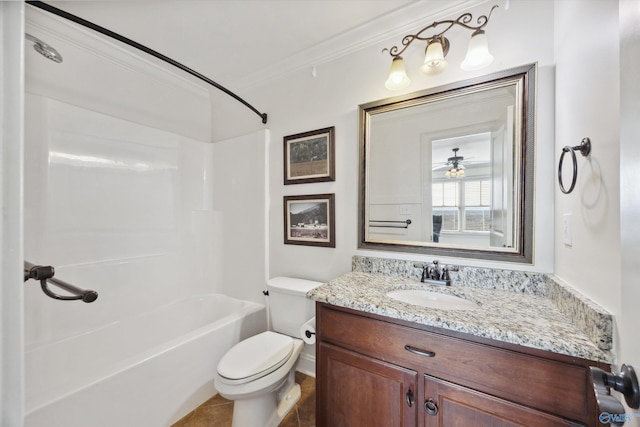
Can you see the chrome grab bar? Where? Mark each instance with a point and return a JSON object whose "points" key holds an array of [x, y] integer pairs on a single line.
{"points": [[45, 274]]}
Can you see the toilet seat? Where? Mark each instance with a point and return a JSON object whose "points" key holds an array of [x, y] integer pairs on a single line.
{"points": [[255, 357]]}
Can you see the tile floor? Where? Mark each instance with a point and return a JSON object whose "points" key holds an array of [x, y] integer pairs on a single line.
{"points": [[218, 411]]}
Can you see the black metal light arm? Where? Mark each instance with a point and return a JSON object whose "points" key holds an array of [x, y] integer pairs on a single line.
{"points": [[463, 21]]}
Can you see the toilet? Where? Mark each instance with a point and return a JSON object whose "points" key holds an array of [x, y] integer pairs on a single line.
{"points": [[258, 373]]}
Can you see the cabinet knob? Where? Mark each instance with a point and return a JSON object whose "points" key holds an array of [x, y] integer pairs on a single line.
{"points": [[409, 398], [431, 407]]}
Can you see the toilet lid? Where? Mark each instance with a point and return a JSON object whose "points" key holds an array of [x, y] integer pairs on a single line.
{"points": [[256, 357]]}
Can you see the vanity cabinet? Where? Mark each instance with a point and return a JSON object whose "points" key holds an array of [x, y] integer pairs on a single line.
{"points": [[378, 371], [362, 391], [448, 404]]}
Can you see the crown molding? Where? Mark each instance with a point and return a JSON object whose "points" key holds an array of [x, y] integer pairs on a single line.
{"points": [[395, 24]]}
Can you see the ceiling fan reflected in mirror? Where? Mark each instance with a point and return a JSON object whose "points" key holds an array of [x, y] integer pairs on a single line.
{"points": [[456, 169], [453, 165]]}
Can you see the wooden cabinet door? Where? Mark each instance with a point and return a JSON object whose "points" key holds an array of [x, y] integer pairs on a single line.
{"points": [[355, 390], [452, 405]]}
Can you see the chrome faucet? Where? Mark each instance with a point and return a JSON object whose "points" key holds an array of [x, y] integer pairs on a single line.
{"points": [[435, 275]]}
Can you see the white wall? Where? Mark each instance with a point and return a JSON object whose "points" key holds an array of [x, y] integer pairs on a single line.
{"points": [[301, 102], [11, 142], [599, 99], [240, 200], [587, 105], [629, 176]]}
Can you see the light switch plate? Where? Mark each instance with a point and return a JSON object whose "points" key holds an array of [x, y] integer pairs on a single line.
{"points": [[405, 210], [567, 229]]}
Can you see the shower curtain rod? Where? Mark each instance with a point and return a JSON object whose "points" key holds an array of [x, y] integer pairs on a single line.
{"points": [[125, 40]]}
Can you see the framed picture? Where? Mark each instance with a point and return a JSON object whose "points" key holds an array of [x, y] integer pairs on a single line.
{"points": [[309, 220], [309, 157]]}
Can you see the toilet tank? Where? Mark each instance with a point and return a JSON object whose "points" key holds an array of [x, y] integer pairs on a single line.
{"points": [[288, 305]]}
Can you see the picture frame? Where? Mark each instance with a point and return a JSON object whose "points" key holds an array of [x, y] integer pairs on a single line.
{"points": [[309, 156], [310, 220]]}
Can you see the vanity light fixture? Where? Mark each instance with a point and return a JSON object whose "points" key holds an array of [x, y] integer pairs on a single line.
{"points": [[477, 57], [456, 169]]}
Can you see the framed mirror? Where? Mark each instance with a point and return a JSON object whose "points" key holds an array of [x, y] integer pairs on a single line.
{"points": [[449, 171]]}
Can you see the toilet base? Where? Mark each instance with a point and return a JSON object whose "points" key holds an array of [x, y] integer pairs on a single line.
{"points": [[256, 412], [289, 400], [267, 410]]}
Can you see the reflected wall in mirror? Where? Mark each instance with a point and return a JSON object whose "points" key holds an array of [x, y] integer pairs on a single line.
{"points": [[449, 171]]}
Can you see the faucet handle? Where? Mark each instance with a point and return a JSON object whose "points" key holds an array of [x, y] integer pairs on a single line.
{"points": [[445, 274], [425, 270], [435, 272], [450, 268]]}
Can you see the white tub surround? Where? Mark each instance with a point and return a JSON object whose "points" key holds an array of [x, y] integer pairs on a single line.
{"points": [[531, 317], [153, 368], [120, 196]]}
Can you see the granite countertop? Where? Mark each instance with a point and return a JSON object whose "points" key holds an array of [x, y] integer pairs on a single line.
{"points": [[524, 319]]}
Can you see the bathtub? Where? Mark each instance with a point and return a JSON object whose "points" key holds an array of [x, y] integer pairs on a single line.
{"points": [[148, 370]]}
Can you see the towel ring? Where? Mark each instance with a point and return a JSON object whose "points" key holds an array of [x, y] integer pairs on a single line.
{"points": [[585, 149]]}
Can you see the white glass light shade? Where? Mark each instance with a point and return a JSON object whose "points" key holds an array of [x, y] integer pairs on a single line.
{"points": [[478, 55], [434, 61], [398, 78], [454, 173]]}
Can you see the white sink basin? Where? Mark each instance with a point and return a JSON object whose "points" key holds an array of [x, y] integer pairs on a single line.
{"points": [[432, 299]]}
